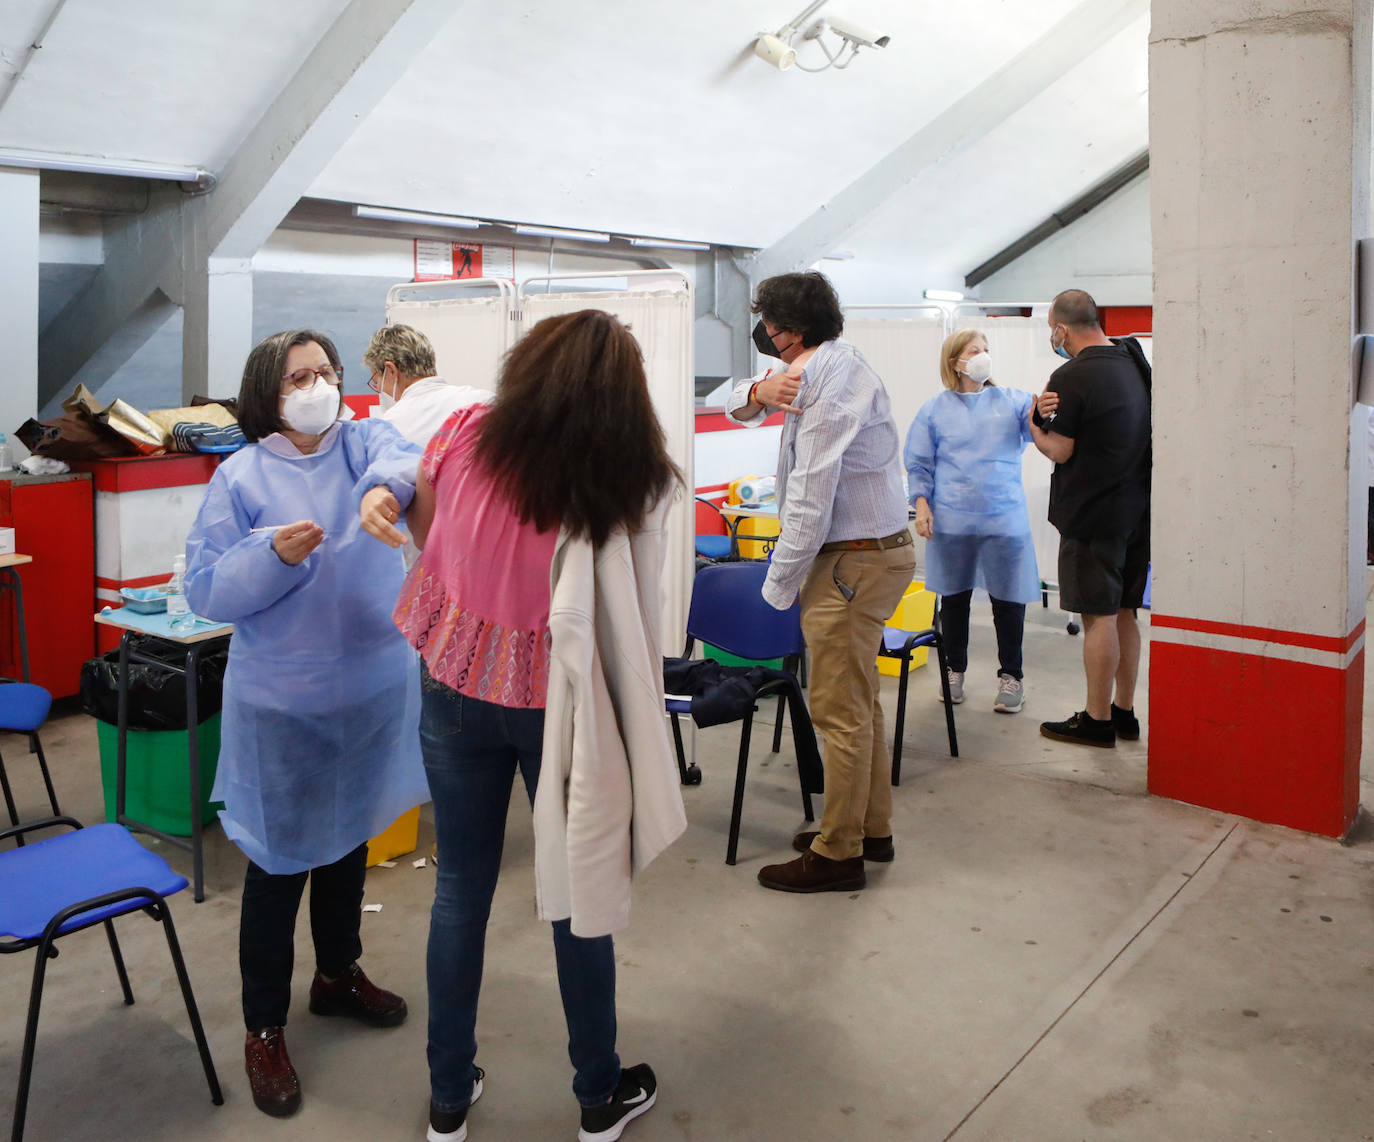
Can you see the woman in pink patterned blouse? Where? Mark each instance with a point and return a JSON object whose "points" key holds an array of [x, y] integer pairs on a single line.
{"points": [[571, 428]]}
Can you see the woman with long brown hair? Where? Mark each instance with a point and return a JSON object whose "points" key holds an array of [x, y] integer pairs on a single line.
{"points": [[533, 513]]}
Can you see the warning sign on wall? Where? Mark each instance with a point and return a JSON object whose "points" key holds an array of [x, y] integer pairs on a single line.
{"points": [[447, 261]]}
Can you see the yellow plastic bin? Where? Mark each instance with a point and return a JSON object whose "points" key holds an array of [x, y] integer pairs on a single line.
{"points": [[396, 840], [916, 611], [764, 531]]}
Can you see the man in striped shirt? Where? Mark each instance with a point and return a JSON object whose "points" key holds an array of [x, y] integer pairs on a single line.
{"points": [[844, 545]]}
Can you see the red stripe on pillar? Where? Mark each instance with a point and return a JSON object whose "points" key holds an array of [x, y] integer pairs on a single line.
{"points": [[1264, 634], [1263, 737]]}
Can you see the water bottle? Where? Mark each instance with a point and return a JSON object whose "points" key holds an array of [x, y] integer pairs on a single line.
{"points": [[6, 459], [179, 616]]}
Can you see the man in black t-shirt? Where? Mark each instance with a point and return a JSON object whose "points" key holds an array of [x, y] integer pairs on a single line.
{"points": [[1093, 421]]}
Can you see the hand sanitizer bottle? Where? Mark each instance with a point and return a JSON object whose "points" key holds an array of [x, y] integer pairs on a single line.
{"points": [[179, 616]]}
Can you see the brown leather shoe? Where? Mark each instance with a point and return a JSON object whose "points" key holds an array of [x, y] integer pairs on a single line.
{"points": [[356, 995], [875, 848], [276, 1089], [812, 872]]}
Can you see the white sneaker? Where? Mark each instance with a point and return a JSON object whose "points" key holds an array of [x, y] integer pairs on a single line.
{"points": [[1011, 695], [956, 688]]}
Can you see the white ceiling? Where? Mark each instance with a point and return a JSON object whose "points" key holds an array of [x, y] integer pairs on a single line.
{"points": [[627, 115]]}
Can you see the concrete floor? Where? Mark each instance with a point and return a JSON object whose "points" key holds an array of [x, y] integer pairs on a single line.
{"points": [[1054, 955]]}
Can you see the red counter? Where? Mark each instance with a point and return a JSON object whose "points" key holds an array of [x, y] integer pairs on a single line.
{"points": [[52, 517]]}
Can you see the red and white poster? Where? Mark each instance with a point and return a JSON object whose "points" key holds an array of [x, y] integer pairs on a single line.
{"points": [[448, 261]]}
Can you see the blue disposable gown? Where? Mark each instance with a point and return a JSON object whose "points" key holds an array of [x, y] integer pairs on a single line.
{"points": [[320, 746], [963, 454]]}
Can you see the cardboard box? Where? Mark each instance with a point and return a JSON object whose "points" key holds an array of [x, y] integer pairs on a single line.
{"points": [[6, 541]]}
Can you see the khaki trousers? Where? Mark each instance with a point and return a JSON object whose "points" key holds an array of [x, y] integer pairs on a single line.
{"points": [[842, 640]]}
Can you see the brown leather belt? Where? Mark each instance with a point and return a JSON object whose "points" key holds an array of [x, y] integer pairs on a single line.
{"points": [[896, 539]]}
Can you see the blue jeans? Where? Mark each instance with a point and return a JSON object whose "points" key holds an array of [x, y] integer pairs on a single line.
{"points": [[471, 750]]}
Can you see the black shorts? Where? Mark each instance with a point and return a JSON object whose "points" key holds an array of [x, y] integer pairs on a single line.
{"points": [[1104, 575]]}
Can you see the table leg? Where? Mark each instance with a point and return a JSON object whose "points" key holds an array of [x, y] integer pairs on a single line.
{"points": [[122, 722], [193, 752], [17, 586]]}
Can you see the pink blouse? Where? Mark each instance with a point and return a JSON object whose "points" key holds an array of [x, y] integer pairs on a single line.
{"points": [[476, 605]]}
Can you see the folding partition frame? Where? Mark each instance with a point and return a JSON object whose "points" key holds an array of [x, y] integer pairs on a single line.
{"points": [[902, 343], [657, 306], [471, 322]]}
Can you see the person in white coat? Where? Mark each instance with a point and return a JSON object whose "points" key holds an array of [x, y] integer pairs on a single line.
{"points": [[402, 372], [534, 606]]}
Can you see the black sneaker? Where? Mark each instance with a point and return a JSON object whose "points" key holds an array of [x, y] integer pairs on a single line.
{"points": [[1126, 723], [452, 1125], [633, 1096], [1081, 730]]}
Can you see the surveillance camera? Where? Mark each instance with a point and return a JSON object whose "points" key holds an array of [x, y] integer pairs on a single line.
{"points": [[857, 34]]}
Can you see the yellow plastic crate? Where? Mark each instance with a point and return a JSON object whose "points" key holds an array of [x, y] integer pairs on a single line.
{"points": [[764, 531], [916, 611], [396, 840]]}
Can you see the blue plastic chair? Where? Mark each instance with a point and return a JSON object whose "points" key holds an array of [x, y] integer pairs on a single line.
{"points": [[719, 548], [72, 881], [23, 708], [898, 643], [728, 612]]}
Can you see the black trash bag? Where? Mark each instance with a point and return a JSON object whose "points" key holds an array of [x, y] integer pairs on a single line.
{"points": [[157, 696]]}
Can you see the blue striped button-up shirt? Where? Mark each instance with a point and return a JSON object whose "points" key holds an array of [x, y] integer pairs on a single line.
{"points": [[839, 465]]}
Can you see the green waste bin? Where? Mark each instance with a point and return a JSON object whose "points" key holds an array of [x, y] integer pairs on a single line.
{"points": [[725, 658], [157, 786]]}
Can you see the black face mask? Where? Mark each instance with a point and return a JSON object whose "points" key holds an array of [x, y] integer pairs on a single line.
{"points": [[763, 343]]}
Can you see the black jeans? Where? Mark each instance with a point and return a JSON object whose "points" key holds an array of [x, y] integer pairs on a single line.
{"points": [[1008, 619], [267, 926]]}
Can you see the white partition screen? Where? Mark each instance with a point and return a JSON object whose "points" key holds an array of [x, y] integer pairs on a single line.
{"points": [[904, 350], [471, 323], [657, 306]]}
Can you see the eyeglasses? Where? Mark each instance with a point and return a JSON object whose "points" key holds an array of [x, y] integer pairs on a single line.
{"points": [[304, 378], [374, 382]]}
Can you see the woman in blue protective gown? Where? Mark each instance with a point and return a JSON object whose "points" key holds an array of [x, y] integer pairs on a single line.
{"points": [[320, 741], [963, 463]]}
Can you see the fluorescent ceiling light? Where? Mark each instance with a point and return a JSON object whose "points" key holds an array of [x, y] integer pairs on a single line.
{"points": [[95, 164], [668, 244], [838, 256], [944, 295], [557, 232], [417, 217]]}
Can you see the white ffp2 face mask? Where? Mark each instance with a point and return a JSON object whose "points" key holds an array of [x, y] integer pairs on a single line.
{"points": [[311, 411], [979, 367]]}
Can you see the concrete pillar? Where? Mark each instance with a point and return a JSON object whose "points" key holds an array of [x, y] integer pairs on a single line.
{"points": [[218, 330], [1259, 136], [18, 300]]}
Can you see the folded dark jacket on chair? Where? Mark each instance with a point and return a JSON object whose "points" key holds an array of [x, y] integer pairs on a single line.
{"points": [[723, 694]]}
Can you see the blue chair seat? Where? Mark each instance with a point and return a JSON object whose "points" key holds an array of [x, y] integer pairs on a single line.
{"points": [[713, 546], [678, 705], [73, 881], [894, 639], [43, 877], [23, 707]]}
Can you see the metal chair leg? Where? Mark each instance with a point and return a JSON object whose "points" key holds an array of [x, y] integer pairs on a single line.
{"points": [[687, 774], [738, 806], [119, 964], [949, 706], [21, 1100], [9, 799], [899, 728], [777, 727], [165, 916], [47, 777]]}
